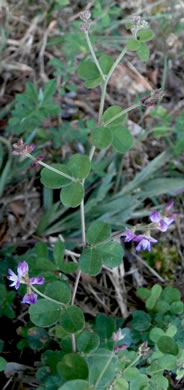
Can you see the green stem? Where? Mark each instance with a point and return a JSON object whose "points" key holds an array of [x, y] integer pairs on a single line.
{"points": [[103, 371], [51, 168], [132, 363], [46, 297], [93, 54], [122, 113]]}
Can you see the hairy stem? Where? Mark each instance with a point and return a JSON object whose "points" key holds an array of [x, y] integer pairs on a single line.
{"points": [[93, 54], [46, 297]]}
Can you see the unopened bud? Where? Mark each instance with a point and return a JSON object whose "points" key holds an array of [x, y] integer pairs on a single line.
{"points": [[143, 349], [85, 15], [153, 98]]}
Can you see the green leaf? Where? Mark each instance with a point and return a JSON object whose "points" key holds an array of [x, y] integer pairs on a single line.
{"points": [[72, 319], [101, 137], [145, 35], [166, 344], [143, 52], [90, 262], [88, 342], [79, 165], [143, 293], [68, 267], [122, 139], [177, 307], [49, 90], [59, 290], [110, 113], [155, 334], [105, 326], [168, 362], [58, 253], [131, 373], [106, 63], [44, 313], [162, 185], [102, 366], [159, 382], [76, 385], [141, 320], [171, 294], [93, 83], [3, 364], [37, 338], [52, 179], [133, 44], [111, 253], [97, 232], [161, 131], [155, 294], [88, 70], [121, 384], [171, 331], [162, 306], [72, 195], [72, 366]]}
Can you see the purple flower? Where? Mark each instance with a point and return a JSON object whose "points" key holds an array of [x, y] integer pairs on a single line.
{"points": [[120, 348], [155, 216], [145, 242], [129, 235], [30, 298], [23, 277], [163, 220]]}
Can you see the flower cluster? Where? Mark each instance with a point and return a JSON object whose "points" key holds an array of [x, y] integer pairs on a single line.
{"points": [[22, 149], [159, 221], [23, 277], [153, 98], [137, 23], [25, 150], [85, 16], [117, 337]]}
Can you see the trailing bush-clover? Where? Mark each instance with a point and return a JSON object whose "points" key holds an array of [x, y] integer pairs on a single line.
{"points": [[106, 354]]}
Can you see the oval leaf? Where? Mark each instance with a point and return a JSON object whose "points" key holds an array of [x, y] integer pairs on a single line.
{"points": [[143, 52], [79, 165], [88, 341], [133, 44], [59, 290], [52, 179], [90, 262], [72, 319], [166, 344], [44, 313], [106, 63], [111, 112], [88, 70], [77, 384], [122, 139], [98, 231], [111, 253], [101, 137], [72, 195], [145, 35], [72, 366]]}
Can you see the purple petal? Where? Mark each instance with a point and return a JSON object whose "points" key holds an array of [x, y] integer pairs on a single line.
{"points": [[163, 226], [37, 280], [22, 269], [144, 244], [169, 220], [14, 279], [30, 298], [169, 205], [129, 235], [155, 216]]}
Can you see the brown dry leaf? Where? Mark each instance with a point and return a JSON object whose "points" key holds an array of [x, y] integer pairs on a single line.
{"points": [[17, 207], [125, 79]]}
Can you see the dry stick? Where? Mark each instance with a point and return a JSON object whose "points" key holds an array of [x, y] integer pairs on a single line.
{"points": [[150, 268]]}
